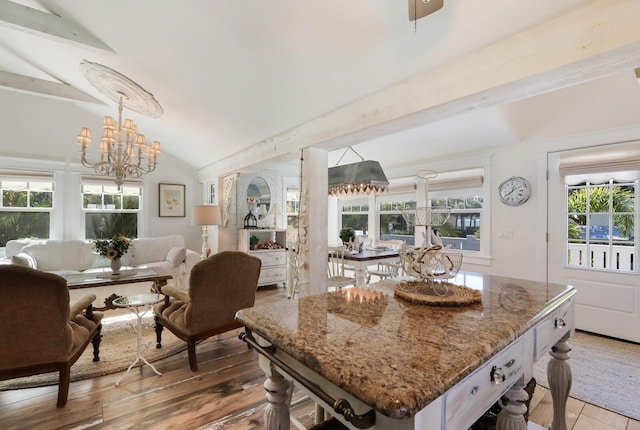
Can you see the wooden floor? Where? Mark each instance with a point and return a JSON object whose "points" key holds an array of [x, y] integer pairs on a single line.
{"points": [[225, 393]]}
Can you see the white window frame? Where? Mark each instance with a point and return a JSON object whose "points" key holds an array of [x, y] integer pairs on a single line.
{"points": [[581, 257], [46, 182], [352, 201], [600, 166], [110, 186], [392, 197]]}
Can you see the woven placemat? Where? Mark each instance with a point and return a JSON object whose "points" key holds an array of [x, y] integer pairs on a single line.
{"points": [[444, 294]]}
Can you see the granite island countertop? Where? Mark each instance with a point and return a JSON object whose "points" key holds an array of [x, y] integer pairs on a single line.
{"points": [[397, 356]]}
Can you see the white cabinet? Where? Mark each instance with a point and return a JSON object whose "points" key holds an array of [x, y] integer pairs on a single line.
{"points": [[274, 257]]}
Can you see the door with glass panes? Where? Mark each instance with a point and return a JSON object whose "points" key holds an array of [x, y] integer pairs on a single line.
{"points": [[592, 226]]}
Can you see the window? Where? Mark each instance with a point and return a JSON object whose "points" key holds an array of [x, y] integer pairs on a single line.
{"points": [[462, 228], [461, 192], [355, 214], [25, 208], [602, 204], [109, 211], [601, 225], [211, 193], [393, 224]]}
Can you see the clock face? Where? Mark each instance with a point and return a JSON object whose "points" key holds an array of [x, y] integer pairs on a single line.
{"points": [[514, 191]]}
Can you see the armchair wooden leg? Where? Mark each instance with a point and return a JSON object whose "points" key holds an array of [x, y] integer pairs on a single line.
{"points": [[96, 343], [63, 385], [158, 328], [191, 350]]}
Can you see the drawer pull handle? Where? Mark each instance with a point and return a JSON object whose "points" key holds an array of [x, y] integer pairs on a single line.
{"points": [[560, 323], [474, 390], [497, 375], [510, 362]]}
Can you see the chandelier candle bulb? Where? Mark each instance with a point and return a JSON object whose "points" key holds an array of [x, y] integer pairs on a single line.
{"points": [[119, 161]]}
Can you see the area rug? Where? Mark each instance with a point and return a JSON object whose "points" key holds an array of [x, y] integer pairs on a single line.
{"points": [[606, 373], [118, 349]]}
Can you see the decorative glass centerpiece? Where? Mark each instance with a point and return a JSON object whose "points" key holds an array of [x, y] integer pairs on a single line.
{"points": [[432, 261]]}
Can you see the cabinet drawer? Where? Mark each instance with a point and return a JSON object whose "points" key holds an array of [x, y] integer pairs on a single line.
{"points": [[273, 275], [478, 391], [271, 258], [551, 330]]}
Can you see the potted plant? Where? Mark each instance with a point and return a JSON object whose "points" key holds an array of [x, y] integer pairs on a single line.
{"points": [[253, 241], [347, 234]]}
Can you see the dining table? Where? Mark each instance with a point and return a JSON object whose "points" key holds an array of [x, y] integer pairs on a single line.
{"points": [[368, 256]]}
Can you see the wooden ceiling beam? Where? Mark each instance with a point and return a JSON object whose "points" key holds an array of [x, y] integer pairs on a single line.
{"points": [[593, 41], [41, 87], [24, 18]]}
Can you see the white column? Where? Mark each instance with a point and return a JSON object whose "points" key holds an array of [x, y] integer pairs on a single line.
{"points": [[312, 258]]}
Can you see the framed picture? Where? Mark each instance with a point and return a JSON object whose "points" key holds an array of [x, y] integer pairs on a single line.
{"points": [[171, 200]]}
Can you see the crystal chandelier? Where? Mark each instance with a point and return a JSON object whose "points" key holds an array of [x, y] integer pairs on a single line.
{"points": [[122, 150]]}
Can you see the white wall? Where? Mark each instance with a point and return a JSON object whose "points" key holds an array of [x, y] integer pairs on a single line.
{"points": [[67, 205], [40, 133]]}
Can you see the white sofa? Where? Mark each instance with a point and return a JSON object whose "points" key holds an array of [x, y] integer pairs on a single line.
{"points": [[165, 255]]}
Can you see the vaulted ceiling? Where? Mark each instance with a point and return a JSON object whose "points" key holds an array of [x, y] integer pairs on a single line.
{"points": [[248, 77]]}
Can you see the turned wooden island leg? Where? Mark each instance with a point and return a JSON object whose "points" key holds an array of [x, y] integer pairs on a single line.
{"points": [[511, 416], [276, 413], [559, 376]]}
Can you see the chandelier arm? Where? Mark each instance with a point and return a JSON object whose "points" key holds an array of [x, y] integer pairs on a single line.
{"points": [[120, 152]]}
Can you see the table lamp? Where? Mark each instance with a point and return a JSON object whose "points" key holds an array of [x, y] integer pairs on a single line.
{"points": [[205, 215]]}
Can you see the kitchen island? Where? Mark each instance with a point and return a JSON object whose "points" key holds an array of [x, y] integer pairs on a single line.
{"points": [[377, 361]]}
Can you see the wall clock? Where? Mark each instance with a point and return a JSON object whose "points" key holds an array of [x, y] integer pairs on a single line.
{"points": [[514, 191]]}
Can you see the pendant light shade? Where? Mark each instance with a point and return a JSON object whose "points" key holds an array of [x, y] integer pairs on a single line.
{"points": [[363, 177]]}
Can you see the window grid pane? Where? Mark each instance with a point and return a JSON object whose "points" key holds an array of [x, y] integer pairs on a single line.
{"points": [[25, 210], [110, 212], [601, 226]]}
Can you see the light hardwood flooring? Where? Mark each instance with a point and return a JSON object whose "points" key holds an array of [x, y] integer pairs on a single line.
{"points": [[225, 393]]}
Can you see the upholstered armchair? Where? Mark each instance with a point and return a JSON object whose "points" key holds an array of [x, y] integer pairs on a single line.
{"points": [[218, 287], [40, 331]]}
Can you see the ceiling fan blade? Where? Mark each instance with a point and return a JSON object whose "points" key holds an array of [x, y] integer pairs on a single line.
{"points": [[421, 8]]}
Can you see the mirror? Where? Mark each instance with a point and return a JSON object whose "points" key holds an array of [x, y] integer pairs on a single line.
{"points": [[258, 197]]}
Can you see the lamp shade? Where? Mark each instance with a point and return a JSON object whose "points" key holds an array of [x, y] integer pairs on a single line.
{"points": [[205, 215], [362, 177]]}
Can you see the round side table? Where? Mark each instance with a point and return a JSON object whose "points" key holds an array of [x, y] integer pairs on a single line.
{"points": [[136, 304]]}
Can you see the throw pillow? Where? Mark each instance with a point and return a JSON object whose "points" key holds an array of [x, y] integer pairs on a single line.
{"points": [[24, 259], [176, 255]]}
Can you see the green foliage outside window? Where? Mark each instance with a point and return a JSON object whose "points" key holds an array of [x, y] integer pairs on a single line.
{"points": [[599, 197], [104, 225], [110, 212], [27, 222]]}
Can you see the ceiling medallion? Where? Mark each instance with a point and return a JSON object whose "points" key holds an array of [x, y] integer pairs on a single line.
{"points": [[118, 87]]}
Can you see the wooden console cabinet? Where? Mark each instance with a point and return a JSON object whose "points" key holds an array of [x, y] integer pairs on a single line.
{"points": [[274, 261]]}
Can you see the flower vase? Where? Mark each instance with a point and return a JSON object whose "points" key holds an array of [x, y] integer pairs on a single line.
{"points": [[116, 264]]}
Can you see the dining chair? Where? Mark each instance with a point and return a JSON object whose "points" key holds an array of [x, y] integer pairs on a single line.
{"points": [[386, 269], [336, 277]]}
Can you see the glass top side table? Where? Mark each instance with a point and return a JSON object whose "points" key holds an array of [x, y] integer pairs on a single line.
{"points": [[136, 304]]}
